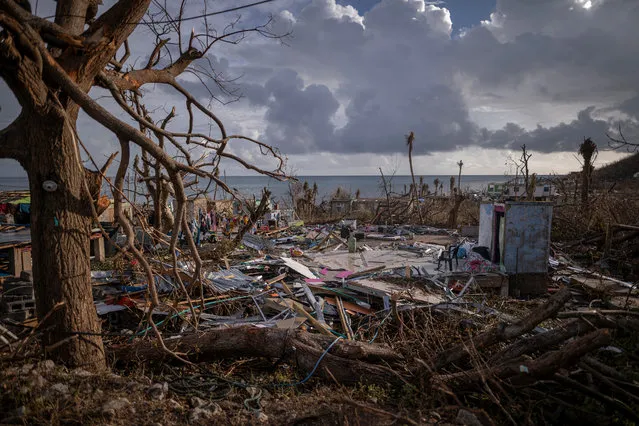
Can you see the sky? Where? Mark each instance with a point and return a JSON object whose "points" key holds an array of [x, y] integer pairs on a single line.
{"points": [[474, 80]]}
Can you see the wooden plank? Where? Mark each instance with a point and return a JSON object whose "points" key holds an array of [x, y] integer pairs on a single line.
{"points": [[349, 306], [276, 279], [342, 318], [367, 271], [322, 328]]}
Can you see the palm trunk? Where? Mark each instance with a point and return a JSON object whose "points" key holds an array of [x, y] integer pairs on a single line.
{"points": [[585, 180], [60, 232], [412, 174]]}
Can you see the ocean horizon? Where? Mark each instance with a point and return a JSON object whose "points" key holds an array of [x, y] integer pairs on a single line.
{"points": [[368, 185]]}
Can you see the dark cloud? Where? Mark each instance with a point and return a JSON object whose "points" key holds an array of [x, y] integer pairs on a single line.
{"points": [[298, 117], [395, 71], [630, 107], [349, 83], [563, 137]]}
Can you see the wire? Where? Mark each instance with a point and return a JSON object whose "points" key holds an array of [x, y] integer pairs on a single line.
{"points": [[379, 327], [215, 302], [319, 360], [188, 18]]}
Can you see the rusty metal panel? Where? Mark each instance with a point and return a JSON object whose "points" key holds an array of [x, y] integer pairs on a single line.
{"points": [[527, 237], [486, 225]]}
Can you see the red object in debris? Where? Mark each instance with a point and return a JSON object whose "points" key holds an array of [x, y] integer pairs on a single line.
{"points": [[126, 301], [456, 286]]}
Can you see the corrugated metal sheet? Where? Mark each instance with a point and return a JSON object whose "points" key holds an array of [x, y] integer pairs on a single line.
{"points": [[527, 237], [486, 224]]}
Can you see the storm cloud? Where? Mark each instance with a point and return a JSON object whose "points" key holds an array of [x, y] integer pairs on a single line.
{"points": [[344, 83]]}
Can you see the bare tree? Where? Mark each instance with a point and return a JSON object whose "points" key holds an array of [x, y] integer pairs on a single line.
{"points": [[620, 142], [523, 166], [50, 67], [436, 183], [588, 151], [387, 187], [460, 163], [452, 186]]}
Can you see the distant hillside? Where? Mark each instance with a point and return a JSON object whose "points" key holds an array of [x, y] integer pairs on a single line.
{"points": [[619, 170]]}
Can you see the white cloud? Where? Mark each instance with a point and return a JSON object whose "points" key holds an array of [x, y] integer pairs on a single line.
{"points": [[347, 85]]}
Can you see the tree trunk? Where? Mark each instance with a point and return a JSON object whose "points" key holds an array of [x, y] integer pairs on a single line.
{"points": [[585, 182], [163, 211], [60, 232], [348, 362]]}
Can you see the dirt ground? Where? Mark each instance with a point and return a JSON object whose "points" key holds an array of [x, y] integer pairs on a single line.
{"points": [[40, 392]]}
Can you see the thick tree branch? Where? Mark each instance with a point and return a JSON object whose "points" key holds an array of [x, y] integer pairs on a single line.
{"points": [[71, 15], [103, 38], [21, 63], [12, 140], [49, 31]]}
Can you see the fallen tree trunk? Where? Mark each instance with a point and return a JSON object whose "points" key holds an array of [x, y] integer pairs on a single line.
{"points": [[524, 372], [542, 341], [503, 332], [348, 362]]}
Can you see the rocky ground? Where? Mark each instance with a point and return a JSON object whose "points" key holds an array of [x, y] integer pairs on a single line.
{"points": [[41, 392]]}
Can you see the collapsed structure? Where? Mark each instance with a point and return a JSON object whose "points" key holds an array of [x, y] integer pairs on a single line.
{"points": [[342, 289]]}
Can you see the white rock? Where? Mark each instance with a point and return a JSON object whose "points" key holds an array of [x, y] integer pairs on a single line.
{"points": [[79, 372], [37, 381], [59, 388], [46, 366], [198, 402], [110, 408], [26, 368], [198, 414], [465, 417], [158, 391]]}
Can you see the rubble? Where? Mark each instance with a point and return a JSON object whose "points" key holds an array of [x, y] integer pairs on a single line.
{"points": [[309, 295]]}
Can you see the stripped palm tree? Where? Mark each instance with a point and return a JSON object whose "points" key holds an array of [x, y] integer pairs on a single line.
{"points": [[460, 163], [409, 141], [587, 150]]}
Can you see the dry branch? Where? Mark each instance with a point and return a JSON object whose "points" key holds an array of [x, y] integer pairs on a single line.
{"points": [[530, 371], [503, 332]]}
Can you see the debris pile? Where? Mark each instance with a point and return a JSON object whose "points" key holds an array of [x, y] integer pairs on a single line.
{"points": [[405, 307]]}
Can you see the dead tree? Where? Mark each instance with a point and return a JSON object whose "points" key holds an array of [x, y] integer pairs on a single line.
{"points": [[457, 200], [460, 163], [50, 67], [620, 142], [588, 151], [387, 187], [523, 165], [256, 211], [157, 183], [410, 139]]}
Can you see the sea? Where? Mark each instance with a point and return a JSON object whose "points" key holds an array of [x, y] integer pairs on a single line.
{"points": [[368, 186]]}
